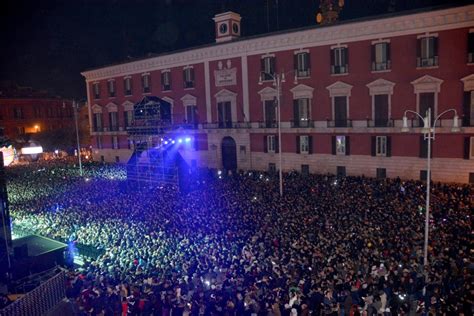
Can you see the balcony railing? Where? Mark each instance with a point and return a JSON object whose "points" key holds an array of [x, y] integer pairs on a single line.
{"points": [[470, 58], [268, 124], [303, 73], [427, 62], [114, 128], [339, 69], [339, 123], [381, 66], [380, 123], [218, 125], [302, 124]]}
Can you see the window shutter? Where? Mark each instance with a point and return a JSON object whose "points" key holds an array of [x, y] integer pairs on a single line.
{"points": [[310, 144], [348, 145], [296, 114], [331, 56], [423, 149], [470, 43], [262, 64], [308, 61], [467, 145], [265, 144], [277, 145], [162, 77], [418, 52], [435, 46], [192, 74], [372, 56], [373, 145], [295, 62], [272, 65], [346, 57], [184, 78], [466, 109], [388, 52], [298, 144], [333, 145], [389, 146]]}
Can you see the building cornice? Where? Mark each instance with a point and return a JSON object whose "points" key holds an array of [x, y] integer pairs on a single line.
{"points": [[410, 24]]}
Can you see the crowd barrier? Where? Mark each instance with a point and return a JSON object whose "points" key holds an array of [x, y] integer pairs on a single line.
{"points": [[40, 300]]}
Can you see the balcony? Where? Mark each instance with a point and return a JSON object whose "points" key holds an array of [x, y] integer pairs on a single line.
{"points": [[188, 84], [387, 65], [114, 128], [302, 123], [268, 124], [97, 129], [380, 123], [339, 70], [339, 123], [225, 125], [427, 62], [303, 73]]}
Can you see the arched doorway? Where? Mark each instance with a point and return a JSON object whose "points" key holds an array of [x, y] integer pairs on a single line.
{"points": [[229, 154]]}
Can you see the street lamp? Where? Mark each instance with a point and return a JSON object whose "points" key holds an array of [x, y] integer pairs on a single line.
{"points": [[75, 106], [278, 79], [429, 132]]}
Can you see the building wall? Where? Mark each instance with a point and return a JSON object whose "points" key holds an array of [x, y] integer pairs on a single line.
{"points": [[240, 63], [53, 114]]}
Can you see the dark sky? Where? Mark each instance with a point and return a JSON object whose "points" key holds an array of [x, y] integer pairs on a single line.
{"points": [[47, 43]]}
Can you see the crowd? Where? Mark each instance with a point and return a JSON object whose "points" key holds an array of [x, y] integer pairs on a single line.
{"points": [[330, 246]]}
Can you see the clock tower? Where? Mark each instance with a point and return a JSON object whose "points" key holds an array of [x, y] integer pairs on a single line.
{"points": [[227, 26]]}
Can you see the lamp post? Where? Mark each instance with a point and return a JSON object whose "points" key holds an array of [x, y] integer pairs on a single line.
{"points": [[75, 106], [278, 79], [429, 131]]}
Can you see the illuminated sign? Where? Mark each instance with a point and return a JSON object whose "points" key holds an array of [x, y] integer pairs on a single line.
{"points": [[32, 150], [8, 155]]}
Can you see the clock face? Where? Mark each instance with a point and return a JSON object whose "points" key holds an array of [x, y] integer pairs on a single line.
{"points": [[235, 28], [223, 28]]}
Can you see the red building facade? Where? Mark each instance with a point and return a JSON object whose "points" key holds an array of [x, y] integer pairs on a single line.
{"points": [[345, 92], [20, 115]]}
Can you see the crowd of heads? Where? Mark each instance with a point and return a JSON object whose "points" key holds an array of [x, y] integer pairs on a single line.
{"points": [[329, 246]]}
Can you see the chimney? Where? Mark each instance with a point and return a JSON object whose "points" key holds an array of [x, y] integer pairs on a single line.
{"points": [[227, 26]]}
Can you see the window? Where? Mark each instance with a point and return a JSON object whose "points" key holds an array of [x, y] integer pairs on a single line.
{"points": [[426, 101], [117, 159], [381, 109], [381, 146], [37, 112], [339, 60], [20, 130], [303, 144], [302, 65], [224, 114], [146, 83], [188, 77], [423, 175], [469, 148], [96, 89], [99, 142], [340, 111], [115, 143], [301, 113], [127, 118], [113, 122], [130, 144], [470, 47], [111, 87], [272, 167], [270, 143], [17, 113], [270, 114], [191, 114], [267, 67], [305, 170], [381, 173], [97, 122], [127, 84], [340, 171], [341, 145], [427, 55], [381, 56], [166, 81], [102, 159]]}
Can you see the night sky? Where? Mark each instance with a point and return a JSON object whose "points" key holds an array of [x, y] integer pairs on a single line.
{"points": [[46, 44]]}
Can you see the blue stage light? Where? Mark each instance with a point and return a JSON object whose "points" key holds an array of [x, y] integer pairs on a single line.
{"points": [[172, 142], [188, 139], [166, 142], [180, 140]]}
